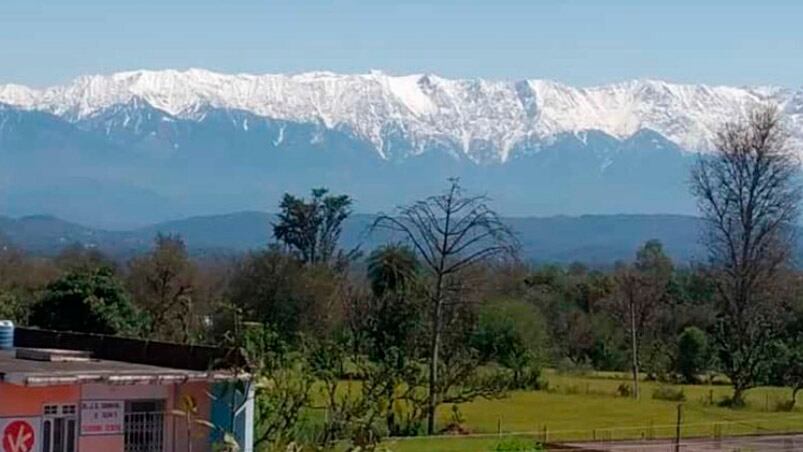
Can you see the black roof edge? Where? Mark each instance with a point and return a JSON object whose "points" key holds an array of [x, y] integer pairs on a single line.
{"points": [[132, 350]]}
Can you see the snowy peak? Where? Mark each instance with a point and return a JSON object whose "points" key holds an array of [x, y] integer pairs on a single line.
{"points": [[18, 95], [424, 111]]}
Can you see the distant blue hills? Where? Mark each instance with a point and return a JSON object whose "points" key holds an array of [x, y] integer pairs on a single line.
{"points": [[591, 239]]}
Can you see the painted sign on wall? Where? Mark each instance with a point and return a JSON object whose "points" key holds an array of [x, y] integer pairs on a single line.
{"points": [[102, 417], [20, 434]]}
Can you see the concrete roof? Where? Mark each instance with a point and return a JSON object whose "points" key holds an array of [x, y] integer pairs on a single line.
{"points": [[76, 370]]}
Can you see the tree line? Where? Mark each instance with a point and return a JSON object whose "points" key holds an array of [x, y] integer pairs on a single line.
{"points": [[446, 311]]}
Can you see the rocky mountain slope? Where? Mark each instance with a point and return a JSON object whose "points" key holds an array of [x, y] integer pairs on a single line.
{"points": [[425, 111]]}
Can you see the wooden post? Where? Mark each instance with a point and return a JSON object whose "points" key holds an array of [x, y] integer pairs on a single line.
{"points": [[677, 427], [499, 425]]}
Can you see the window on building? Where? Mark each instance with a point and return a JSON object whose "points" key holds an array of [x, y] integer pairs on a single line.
{"points": [[59, 428], [144, 426]]}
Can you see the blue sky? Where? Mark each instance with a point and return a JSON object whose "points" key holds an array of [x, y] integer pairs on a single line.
{"points": [[579, 42]]}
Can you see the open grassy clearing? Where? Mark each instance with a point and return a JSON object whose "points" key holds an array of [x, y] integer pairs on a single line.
{"points": [[588, 407]]}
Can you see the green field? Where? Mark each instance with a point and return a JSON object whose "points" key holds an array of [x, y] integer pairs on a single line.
{"points": [[589, 407]]}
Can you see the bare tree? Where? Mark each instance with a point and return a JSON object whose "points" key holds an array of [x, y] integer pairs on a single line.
{"points": [[748, 193], [451, 233], [641, 290], [162, 283]]}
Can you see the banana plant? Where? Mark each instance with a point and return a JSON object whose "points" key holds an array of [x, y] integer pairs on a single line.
{"points": [[188, 411]]}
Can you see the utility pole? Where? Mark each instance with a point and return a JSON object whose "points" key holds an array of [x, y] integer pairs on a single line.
{"points": [[634, 346]]}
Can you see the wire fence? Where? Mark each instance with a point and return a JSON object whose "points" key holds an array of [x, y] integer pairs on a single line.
{"points": [[741, 443], [661, 436]]}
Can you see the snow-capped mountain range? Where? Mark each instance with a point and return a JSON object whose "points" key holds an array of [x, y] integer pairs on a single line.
{"points": [[135, 147], [486, 121]]}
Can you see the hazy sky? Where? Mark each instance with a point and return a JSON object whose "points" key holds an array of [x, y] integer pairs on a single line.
{"points": [[579, 42]]}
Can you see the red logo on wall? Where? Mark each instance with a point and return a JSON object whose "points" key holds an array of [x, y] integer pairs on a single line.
{"points": [[18, 437]]}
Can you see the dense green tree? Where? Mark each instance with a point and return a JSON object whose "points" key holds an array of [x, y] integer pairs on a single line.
{"points": [[786, 354], [276, 288], [787, 366], [92, 301], [513, 334], [609, 350], [693, 354], [311, 227], [571, 300]]}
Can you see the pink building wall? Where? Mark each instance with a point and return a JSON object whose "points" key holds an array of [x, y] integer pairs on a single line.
{"points": [[22, 401]]}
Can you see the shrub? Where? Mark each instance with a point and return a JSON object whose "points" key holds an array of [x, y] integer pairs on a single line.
{"points": [[508, 330], [729, 402], [784, 406], [669, 393], [456, 425], [624, 390], [526, 379], [512, 334]]}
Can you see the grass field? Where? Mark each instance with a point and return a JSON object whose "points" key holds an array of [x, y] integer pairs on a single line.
{"points": [[589, 407]]}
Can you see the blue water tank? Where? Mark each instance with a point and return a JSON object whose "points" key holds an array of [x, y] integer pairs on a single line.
{"points": [[6, 334]]}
